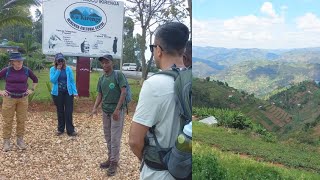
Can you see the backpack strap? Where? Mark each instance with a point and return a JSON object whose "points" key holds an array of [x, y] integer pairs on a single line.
{"points": [[7, 73], [26, 71], [117, 79]]}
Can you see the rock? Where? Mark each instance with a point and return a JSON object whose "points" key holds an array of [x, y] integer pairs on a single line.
{"points": [[209, 120]]}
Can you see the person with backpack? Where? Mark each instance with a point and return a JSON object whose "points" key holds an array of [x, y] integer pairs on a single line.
{"points": [[15, 99], [63, 92], [112, 92], [157, 121]]}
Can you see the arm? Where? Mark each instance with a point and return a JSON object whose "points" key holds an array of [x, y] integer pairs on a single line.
{"points": [[73, 84], [116, 113], [96, 104], [54, 74], [34, 79], [136, 138], [3, 73]]}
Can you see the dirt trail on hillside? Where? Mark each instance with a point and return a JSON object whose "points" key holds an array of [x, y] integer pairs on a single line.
{"points": [[63, 157]]}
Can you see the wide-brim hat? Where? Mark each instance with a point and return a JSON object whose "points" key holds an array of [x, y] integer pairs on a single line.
{"points": [[16, 56], [107, 56]]}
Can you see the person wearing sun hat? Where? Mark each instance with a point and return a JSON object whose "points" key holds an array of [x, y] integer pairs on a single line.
{"points": [[15, 100], [63, 92]]}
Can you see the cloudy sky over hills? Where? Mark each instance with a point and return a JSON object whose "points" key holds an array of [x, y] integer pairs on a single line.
{"points": [[256, 24]]}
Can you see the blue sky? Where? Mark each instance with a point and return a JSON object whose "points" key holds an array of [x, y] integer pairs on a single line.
{"points": [[256, 23]]}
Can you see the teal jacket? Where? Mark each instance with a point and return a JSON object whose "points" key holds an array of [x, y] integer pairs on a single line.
{"points": [[71, 85]]}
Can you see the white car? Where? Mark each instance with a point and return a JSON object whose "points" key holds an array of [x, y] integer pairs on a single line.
{"points": [[129, 66]]}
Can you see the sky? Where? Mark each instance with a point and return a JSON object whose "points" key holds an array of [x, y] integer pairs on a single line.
{"points": [[273, 24]]}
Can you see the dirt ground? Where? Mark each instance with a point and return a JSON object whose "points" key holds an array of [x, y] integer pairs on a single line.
{"points": [[62, 157]]}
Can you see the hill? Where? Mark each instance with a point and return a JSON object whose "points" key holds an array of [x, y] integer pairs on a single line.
{"points": [[263, 77], [302, 101], [216, 94], [258, 71], [226, 153]]}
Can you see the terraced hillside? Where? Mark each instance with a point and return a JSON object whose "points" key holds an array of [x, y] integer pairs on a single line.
{"points": [[216, 94]]}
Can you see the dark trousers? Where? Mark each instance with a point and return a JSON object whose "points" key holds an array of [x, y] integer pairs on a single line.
{"points": [[64, 104]]}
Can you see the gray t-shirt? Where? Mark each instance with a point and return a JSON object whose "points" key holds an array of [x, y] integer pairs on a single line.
{"points": [[157, 106]]}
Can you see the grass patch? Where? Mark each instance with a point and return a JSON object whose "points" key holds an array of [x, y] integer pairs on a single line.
{"points": [[211, 163], [292, 155], [42, 93]]}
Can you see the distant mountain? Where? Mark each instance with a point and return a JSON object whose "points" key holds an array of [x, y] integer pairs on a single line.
{"points": [[204, 68], [263, 77], [258, 71]]}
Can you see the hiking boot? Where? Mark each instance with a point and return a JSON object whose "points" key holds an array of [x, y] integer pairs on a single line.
{"points": [[58, 133], [20, 143], [6, 145], [105, 165], [112, 169], [73, 134]]}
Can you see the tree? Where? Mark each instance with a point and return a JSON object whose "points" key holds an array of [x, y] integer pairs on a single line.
{"points": [[11, 12], [37, 27], [129, 41], [153, 12]]}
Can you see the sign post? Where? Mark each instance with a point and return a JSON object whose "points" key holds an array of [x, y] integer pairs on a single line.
{"points": [[83, 76], [83, 28]]}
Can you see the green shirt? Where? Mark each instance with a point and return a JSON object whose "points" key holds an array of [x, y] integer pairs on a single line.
{"points": [[110, 90]]}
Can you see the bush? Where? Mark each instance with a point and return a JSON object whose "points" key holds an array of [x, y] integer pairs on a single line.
{"points": [[205, 167]]}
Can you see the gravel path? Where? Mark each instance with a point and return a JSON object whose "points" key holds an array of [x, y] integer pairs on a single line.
{"points": [[63, 157]]}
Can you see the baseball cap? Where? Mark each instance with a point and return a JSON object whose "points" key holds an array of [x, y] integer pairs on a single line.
{"points": [[59, 56], [107, 56], [16, 56]]}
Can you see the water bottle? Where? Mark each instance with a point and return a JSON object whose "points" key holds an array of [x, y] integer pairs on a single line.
{"points": [[184, 140]]}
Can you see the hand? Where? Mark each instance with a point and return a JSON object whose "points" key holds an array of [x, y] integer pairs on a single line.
{"points": [[116, 115], [29, 91], [3, 93], [59, 66], [94, 111]]}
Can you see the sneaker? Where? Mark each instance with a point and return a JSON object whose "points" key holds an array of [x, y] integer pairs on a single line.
{"points": [[105, 165], [20, 143], [6, 145], [58, 133], [73, 134], [112, 169]]}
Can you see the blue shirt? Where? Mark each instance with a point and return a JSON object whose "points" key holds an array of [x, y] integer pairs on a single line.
{"points": [[62, 81], [54, 79]]}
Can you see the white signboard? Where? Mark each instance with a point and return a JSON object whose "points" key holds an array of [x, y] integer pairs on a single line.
{"points": [[89, 28]]}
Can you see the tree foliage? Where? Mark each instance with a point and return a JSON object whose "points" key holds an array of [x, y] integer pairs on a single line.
{"points": [[12, 12], [150, 13]]}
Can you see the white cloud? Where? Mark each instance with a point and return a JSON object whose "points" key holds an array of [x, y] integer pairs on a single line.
{"points": [[308, 22], [253, 31], [267, 9]]}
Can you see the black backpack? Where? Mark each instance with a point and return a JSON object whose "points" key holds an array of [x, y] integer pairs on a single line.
{"points": [[178, 163]]}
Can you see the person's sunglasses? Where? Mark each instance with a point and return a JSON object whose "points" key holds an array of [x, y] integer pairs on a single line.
{"points": [[60, 60], [151, 46]]}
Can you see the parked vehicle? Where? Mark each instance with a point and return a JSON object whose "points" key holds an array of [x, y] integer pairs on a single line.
{"points": [[129, 66]]}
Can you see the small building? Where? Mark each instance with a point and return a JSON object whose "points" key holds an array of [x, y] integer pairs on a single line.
{"points": [[5, 48]]}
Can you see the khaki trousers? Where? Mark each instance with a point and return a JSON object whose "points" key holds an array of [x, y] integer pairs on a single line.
{"points": [[10, 106]]}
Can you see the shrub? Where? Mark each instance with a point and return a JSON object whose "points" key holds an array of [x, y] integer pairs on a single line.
{"points": [[205, 167]]}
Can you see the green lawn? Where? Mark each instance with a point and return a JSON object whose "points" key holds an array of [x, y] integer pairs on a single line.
{"points": [[42, 94], [291, 155]]}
